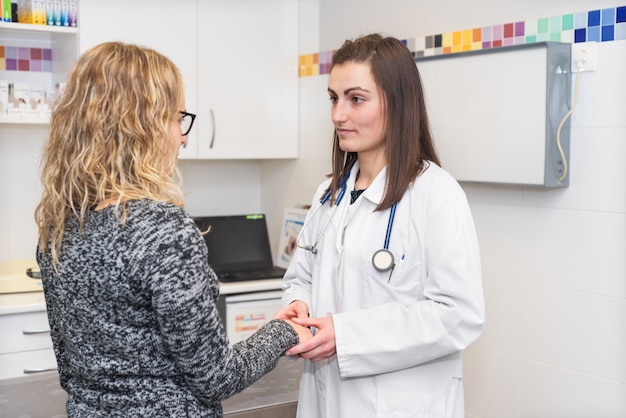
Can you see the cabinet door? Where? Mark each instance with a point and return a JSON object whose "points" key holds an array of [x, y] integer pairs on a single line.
{"points": [[248, 79], [168, 27]]}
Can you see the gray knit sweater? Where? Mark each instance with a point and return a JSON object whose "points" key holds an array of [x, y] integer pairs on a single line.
{"points": [[134, 322]]}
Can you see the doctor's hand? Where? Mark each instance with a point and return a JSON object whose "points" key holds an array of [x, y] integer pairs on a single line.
{"points": [[322, 345], [296, 309]]}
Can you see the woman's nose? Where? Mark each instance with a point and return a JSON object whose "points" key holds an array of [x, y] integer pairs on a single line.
{"points": [[338, 112]]}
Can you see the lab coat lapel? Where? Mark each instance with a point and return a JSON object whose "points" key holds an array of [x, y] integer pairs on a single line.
{"points": [[375, 192]]}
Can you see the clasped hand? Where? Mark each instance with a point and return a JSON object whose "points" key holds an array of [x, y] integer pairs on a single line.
{"points": [[322, 344]]}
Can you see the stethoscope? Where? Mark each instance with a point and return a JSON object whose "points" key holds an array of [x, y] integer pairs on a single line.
{"points": [[382, 259]]}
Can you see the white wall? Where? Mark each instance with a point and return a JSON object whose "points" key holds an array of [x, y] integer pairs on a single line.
{"points": [[554, 274], [291, 183], [221, 187], [20, 150], [553, 260], [211, 187]]}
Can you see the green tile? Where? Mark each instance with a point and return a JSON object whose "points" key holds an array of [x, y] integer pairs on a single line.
{"points": [[555, 37], [568, 21], [555, 24]]}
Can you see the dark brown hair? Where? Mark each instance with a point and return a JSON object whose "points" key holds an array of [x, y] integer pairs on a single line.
{"points": [[407, 134]]}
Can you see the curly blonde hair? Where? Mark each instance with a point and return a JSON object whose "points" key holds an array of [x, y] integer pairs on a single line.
{"points": [[110, 138]]}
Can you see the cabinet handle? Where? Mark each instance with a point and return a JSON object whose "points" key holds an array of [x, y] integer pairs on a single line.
{"points": [[212, 133], [33, 274], [33, 371], [35, 331]]}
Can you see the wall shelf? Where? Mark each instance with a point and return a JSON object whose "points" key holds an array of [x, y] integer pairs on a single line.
{"points": [[25, 27], [24, 120]]}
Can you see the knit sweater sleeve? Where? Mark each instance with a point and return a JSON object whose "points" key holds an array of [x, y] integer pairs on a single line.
{"points": [[184, 292]]}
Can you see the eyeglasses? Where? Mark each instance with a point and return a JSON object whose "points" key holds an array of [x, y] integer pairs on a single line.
{"points": [[186, 122]]}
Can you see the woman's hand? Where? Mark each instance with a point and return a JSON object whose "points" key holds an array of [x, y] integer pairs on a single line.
{"points": [[304, 333], [322, 345]]}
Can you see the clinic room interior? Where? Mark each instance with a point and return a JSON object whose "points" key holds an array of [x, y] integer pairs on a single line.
{"points": [[531, 121]]}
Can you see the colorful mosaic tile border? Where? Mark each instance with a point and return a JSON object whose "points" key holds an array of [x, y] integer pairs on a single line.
{"points": [[14, 58], [592, 26]]}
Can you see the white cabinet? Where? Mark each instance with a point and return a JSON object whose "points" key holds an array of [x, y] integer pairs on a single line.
{"points": [[248, 79], [239, 59], [167, 27], [25, 344], [44, 71]]}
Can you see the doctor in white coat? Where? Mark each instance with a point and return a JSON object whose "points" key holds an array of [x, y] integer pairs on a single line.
{"points": [[388, 270]]}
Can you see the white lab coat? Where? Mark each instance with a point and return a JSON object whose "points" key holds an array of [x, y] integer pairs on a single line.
{"points": [[399, 336]]}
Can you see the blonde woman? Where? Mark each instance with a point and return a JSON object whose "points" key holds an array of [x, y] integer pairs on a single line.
{"points": [[131, 298]]}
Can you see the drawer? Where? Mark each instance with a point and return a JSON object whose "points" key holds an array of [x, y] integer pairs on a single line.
{"points": [[27, 363], [24, 332]]}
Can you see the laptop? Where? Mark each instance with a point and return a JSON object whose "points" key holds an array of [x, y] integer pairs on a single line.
{"points": [[239, 247]]}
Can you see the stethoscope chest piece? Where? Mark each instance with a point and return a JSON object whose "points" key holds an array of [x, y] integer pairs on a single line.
{"points": [[382, 260]]}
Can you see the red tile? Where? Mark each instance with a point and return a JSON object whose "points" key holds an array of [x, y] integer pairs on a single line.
{"points": [[508, 30], [23, 65]]}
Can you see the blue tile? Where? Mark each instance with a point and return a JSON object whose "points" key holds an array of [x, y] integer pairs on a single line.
{"points": [[580, 20], [593, 18], [10, 52], [608, 33], [608, 17], [593, 34], [621, 14], [580, 35], [620, 31]]}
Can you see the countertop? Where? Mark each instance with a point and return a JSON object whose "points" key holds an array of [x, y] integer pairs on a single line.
{"points": [[41, 396]]}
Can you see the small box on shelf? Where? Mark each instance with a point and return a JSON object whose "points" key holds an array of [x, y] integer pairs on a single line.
{"points": [[6, 10], [22, 103], [31, 11]]}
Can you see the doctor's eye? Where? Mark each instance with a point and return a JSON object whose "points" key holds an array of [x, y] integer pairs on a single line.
{"points": [[357, 99], [333, 99]]}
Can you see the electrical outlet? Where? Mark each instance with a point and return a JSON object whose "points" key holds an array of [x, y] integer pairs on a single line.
{"points": [[583, 56]]}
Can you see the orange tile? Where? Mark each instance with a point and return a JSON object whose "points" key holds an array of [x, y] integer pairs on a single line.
{"points": [[477, 35]]}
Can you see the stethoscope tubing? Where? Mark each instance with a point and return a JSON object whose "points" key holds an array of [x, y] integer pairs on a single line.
{"points": [[382, 254], [324, 199]]}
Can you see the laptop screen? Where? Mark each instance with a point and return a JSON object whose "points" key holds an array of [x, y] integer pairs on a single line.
{"points": [[237, 242]]}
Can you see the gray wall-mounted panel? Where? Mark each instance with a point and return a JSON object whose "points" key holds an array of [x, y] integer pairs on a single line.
{"points": [[495, 113]]}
